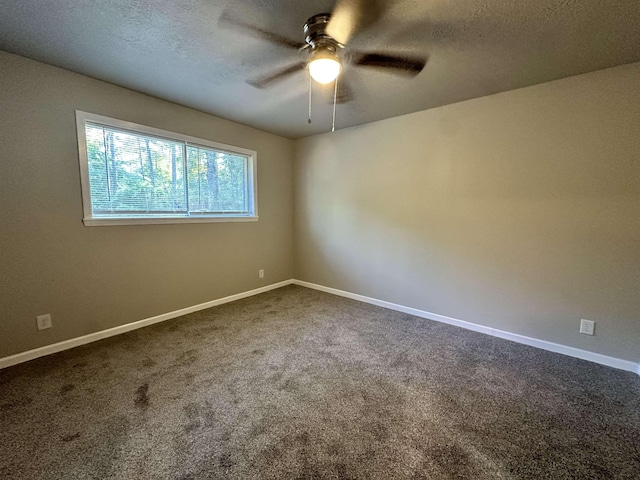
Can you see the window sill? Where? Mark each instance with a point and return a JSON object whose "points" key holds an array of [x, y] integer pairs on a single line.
{"points": [[109, 221]]}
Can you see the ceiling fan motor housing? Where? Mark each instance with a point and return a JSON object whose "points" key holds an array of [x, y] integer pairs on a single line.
{"points": [[315, 33]]}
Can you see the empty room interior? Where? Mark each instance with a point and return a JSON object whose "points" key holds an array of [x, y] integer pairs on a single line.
{"points": [[320, 239]]}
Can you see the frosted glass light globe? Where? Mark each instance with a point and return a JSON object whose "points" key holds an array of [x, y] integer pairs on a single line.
{"points": [[324, 69]]}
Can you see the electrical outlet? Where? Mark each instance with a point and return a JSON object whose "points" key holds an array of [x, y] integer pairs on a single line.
{"points": [[587, 326], [260, 273], [43, 321]]}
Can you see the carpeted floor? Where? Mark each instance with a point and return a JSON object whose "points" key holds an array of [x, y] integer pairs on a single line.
{"points": [[295, 383]]}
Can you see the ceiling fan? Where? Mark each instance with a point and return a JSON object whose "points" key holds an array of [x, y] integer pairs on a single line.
{"points": [[326, 50]]}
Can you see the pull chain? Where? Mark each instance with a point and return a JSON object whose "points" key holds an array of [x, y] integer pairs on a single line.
{"points": [[335, 99], [309, 120]]}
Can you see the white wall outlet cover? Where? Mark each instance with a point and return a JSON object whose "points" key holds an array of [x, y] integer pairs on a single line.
{"points": [[587, 326], [43, 321], [260, 273]]}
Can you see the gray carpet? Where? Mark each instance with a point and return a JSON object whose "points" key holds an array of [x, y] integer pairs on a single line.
{"points": [[295, 383]]}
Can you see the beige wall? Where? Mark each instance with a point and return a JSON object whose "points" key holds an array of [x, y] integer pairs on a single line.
{"points": [[93, 278], [518, 211]]}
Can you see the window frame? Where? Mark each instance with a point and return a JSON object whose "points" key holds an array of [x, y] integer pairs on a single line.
{"points": [[89, 220]]}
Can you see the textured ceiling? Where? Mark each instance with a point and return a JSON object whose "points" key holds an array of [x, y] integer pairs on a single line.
{"points": [[179, 52]]}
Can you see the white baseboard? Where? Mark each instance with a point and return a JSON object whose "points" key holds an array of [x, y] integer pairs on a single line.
{"points": [[533, 342], [93, 337]]}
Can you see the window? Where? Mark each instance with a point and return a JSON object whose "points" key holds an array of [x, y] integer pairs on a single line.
{"points": [[133, 174]]}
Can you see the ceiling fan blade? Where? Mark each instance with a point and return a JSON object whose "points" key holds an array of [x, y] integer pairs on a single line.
{"points": [[410, 65], [349, 16], [345, 92], [274, 77], [227, 20]]}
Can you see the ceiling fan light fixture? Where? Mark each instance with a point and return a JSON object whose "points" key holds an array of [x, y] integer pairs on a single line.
{"points": [[325, 67]]}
